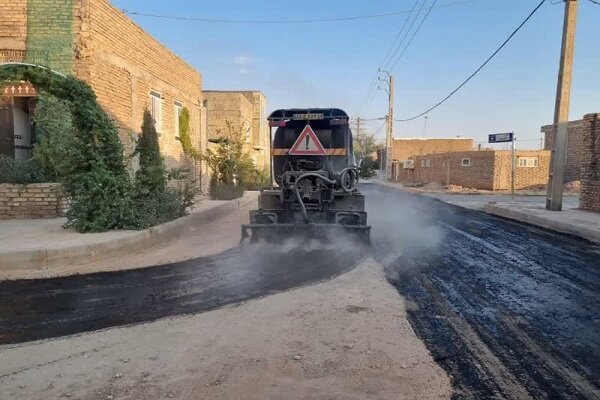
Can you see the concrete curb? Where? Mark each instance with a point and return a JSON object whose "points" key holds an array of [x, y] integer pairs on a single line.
{"points": [[121, 246], [558, 226]]}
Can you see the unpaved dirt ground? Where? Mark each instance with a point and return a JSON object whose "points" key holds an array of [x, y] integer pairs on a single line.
{"points": [[204, 240], [347, 338]]}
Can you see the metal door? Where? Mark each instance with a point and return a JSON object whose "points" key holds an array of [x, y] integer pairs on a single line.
{"points": [[7, 129]]}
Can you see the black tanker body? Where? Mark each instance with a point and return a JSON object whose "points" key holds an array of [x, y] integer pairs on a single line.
{"points": [[316, 193]]}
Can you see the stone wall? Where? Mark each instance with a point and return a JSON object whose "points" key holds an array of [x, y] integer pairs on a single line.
{"points": [[404, 148], [576, 130], [35, 200], [590, 164], [487, 169]]}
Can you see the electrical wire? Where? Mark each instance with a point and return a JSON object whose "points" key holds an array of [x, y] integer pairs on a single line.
{"points": [[439, 103], [395, 44], [373, 87], [413, 36], [282, 20], [595, 2]]}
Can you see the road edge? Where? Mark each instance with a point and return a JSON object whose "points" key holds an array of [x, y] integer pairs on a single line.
{"points": [[513, 215], [33, 259]]}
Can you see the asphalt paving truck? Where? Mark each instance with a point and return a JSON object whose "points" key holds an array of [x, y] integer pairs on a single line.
{"points": [[314, 189]]}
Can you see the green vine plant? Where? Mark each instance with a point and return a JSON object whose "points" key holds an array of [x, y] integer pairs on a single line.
{"points": [[86, 156]]}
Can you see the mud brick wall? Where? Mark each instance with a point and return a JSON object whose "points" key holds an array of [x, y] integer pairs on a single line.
{"points": [[34, 200], [575, 148], [590, 164]]}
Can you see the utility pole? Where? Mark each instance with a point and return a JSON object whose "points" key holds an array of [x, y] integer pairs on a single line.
{"points": [[558, 160], [424, 126], [390, 123]]}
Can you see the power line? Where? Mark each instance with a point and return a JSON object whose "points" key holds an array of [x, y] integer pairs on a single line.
{"points": [[372, 90], [413, 36], [281, 20], [395, 44], [439, 103], [595, 2]]}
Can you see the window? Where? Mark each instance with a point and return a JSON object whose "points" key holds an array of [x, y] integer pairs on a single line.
{"points": [[409, 164], [422, 163], [428, 163], [176, 114], [465, 162], [528, 162], [156, 110]]}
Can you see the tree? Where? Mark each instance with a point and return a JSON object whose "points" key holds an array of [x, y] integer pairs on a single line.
{"points": [[364, 148], [364, 145]]}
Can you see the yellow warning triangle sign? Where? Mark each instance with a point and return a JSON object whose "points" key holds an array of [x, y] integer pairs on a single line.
{"points": [[307, 144]]}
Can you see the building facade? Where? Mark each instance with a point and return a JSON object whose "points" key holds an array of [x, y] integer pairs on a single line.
{"points": [[245, 111], [127, 68], [576, 131], [590, 164], [485, 170], [405, 148]]}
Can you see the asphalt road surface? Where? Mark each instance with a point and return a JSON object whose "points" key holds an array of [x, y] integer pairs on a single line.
{"points": [[46, 308], [509, 310]]}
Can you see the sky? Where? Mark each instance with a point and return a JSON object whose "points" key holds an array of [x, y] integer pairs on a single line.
{"points": [[333, 64]]}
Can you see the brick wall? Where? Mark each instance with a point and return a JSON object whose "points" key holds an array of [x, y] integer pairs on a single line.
{"points": [[576, 130], [35, 200], [13, 28], [525, 177], [50, 39], [590, 164], [403, 149], [488, 169], [123, 64], [245, 110]]}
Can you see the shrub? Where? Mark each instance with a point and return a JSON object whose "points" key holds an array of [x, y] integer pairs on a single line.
{"points": [[55, 137], [82, 149], [368, 167], [20, 171]]}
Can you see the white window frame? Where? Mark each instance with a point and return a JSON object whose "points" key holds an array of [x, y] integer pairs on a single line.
{"points": [[422, 163], [528, 162], [408, 164], [156, 110], [465, 162], [177, 108], [428, 163]]}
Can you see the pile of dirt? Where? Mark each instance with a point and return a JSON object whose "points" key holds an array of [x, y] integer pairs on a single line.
{"points": [[573, 186], [461, 189]]}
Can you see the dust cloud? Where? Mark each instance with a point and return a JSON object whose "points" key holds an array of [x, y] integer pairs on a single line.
{"points": [[403, 230]]}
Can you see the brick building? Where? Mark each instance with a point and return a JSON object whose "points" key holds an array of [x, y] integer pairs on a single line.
{"points": [[486, 169], [590, 164], [405, 148], [576, 130], [246, 112], [128, 69]]}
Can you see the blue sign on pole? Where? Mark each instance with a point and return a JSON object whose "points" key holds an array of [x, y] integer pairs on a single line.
{"points": [[500, 137]]}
